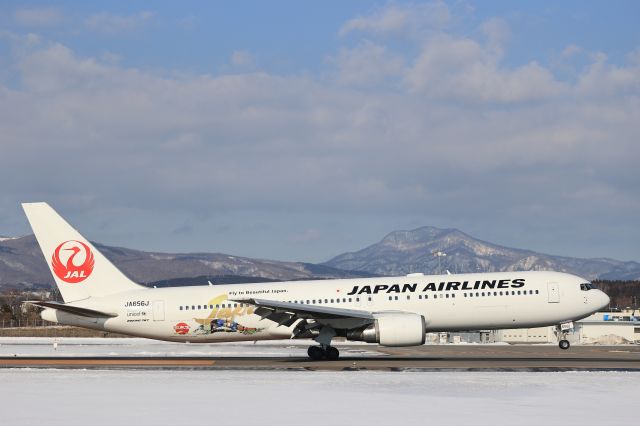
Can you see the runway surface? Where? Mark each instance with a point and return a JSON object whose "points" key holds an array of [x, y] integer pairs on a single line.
{"points": [[355, 358]]}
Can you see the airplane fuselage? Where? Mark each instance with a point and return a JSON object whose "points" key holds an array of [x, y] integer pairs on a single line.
{"points": [[447, 302]]}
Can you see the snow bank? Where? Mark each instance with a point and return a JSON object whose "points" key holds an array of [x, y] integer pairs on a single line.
{"points": [[63, 397]]}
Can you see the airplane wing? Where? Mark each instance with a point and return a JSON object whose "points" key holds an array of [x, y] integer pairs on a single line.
{"points": [[83, 312], [286, 313]]}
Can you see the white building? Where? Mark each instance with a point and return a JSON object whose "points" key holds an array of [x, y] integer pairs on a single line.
{"points": [[604, 328]]}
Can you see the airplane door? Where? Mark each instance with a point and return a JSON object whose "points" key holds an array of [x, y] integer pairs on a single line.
{"points": [[553, 292], [158, 310]]}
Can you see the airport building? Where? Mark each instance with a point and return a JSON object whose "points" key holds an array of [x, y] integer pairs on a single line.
{"points": [[601, 328], [604, 328]]}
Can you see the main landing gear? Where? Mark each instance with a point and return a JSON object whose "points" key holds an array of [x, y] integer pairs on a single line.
{"points": [[318, 353], [325, 350], [561, 332]]}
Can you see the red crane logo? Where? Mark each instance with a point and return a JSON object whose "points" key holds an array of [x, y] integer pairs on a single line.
{"points": [[70, 271]]}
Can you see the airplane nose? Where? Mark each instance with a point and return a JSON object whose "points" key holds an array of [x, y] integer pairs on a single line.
{"points": [[601, 299]]}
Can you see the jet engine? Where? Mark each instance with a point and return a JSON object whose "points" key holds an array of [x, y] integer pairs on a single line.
{"points": [[392, 329]]}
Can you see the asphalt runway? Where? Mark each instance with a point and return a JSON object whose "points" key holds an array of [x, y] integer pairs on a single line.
{"points": [[422, 358]]}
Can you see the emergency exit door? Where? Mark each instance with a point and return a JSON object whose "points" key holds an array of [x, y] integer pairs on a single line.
{"points": [[158, 310], [554, 292]]}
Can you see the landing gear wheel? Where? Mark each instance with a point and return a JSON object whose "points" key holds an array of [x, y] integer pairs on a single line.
{"points": [[564, 344], [316, 353], [332, 353]]}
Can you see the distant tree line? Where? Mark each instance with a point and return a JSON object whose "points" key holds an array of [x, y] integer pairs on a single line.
{"points": [[623, 294], [14, 313]]}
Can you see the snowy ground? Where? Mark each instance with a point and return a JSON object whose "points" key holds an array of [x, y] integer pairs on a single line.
{"points": [[77, 397], [142, 397]]}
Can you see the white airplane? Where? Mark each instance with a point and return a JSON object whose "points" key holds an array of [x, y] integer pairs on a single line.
{"points": [[390, 311]]}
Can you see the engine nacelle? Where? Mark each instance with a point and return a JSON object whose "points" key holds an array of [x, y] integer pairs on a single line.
{"points": [[393, 329]]}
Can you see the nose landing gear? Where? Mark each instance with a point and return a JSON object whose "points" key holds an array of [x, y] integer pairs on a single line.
{"points": [[561, 332], [564, 344]]}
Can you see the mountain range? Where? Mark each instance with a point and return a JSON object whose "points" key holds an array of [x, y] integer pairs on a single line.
{"points": [[21, 262], [399, 253], [403, 252]]}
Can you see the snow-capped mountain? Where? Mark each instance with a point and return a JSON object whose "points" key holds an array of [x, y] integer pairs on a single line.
{"points": [[403, 252]]}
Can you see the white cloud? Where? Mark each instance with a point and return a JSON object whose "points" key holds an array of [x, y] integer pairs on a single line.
{"points": [[634, 57], [462, 68], [110, 24], [366, 64], [38, 17], [571, 50], [400, 19], [601, 78], [497, 31], [461, 136]]}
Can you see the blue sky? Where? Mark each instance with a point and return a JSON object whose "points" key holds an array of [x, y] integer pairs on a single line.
{"points": [[290, 36], [299, 130]]}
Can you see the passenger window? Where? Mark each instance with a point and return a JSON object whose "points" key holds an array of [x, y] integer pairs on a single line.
{"points": [[447, 295], [349, 300], [357, 299], [369, 298], [495, 293], [453, 296], [435, 296], [537, 291], [326, 301], [396, 297], [180, 307], [465, 294], [408, 297], [420, 296], [518, 292], [390, 297], [332, 300]]}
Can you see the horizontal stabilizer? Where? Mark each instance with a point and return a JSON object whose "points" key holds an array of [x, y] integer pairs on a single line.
{"points": [[75, 310]]}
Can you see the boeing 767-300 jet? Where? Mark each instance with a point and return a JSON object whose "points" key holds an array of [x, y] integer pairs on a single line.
{"points": [[390, 311]]}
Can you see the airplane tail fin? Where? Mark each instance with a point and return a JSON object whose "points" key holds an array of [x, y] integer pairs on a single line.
{"points": [[79, 269]]}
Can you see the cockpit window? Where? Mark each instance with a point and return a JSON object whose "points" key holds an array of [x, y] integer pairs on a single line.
{"points": [[587, 287]]}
